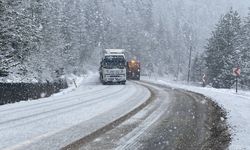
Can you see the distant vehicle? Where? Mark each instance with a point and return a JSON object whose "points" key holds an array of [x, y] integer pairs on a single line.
{"points": [[113, 66], [133, 70]]}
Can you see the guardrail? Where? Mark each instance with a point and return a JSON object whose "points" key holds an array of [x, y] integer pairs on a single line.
{"points": [[15, 92]]}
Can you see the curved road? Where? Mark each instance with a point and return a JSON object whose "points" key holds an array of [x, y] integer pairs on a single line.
{"points": [[138, 115], [175, 120], [54, 122]]}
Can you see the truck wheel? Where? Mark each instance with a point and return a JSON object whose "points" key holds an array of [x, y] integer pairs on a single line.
{"points": [[123, 83], [138, 78]]}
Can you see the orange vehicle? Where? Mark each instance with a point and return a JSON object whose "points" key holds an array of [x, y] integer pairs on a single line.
{"points": [[133, 70]]}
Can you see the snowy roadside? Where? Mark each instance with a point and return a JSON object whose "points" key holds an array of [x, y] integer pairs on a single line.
{"points": [[236, 104], [75, 82], [79, 82]]}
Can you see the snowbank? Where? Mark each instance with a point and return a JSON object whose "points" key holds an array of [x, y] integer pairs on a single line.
{"points": [[75, 81]]}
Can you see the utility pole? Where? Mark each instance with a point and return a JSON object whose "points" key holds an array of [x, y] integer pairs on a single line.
{"points": [[189, 63], [178, 68], [237, 84]]}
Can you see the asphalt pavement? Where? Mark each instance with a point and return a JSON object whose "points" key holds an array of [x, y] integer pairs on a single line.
{"points": [[175, 120]]}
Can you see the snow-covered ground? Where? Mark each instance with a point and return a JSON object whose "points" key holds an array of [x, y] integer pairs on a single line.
{"points": [[87, 106], [236, 104]]}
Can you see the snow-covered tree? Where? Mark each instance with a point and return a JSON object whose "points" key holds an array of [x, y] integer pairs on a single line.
{"points": [[40, 37], [221, 52], [18, 36], [245, 52], [5, 54], [95, 24], [198, 68], [8, 34]]}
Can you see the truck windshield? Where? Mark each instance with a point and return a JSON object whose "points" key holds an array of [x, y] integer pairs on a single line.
{"points": [[114, 62]]}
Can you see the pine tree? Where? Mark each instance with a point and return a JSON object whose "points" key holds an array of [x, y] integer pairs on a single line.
{"points": [[96, 24], [145, 10], [69, 32], [245, 53], [221, 50], [34, 20], [162, 50], [3, 38], [198, 68], [11, 42]]}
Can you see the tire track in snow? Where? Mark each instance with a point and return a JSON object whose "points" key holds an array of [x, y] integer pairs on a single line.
{"points": [[65, 108], [47, 102], [132, 93]]}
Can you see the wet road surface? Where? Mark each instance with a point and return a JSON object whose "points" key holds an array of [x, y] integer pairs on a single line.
{"points": [[175, 120]]}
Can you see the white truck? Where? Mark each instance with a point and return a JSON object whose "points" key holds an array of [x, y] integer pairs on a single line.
{"points": [[113, 66]]}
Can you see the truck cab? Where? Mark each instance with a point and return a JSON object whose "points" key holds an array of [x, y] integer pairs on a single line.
{"points": [[113, 67]]}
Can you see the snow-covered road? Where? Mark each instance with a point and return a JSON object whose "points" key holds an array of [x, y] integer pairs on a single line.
{"points": [[175, 119], [236, 104], [45, 123]]}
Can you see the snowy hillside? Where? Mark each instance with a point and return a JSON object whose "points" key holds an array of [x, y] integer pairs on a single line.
{"points": [[57, 35]]}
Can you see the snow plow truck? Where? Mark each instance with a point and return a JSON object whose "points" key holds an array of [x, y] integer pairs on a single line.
{"points": [[133, 70]]}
